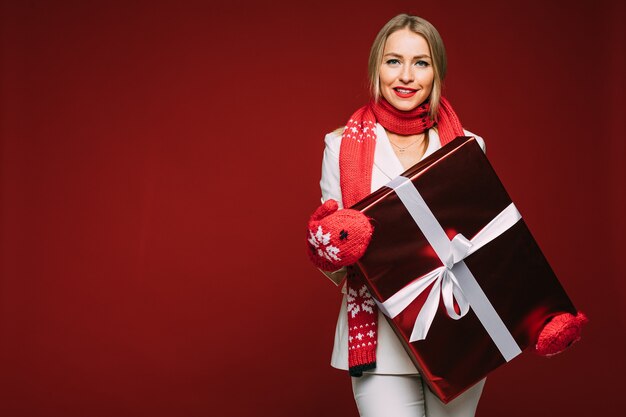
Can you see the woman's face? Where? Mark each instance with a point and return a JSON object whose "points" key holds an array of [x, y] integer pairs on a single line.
{"points": [[406, 73]]}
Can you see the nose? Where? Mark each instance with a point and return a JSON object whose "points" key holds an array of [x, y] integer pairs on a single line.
{"points": [[406, 76]]}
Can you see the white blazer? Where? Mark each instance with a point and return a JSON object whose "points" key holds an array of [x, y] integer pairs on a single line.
{"points": [[391, 358]]}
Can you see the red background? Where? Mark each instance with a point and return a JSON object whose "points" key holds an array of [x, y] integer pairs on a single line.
{"points": [[159, 161]]}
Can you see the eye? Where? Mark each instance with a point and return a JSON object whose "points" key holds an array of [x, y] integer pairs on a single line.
{"points": [[392, 61], [422, 63], [343, 235]]}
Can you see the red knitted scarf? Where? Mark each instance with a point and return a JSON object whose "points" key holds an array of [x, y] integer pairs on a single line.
{"points": [[356, 158]]}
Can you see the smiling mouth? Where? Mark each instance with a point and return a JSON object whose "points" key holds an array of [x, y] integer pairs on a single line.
{"points": [[403, 92]]}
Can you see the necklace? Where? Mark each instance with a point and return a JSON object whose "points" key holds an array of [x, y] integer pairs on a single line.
{"points": [[401, 149]]}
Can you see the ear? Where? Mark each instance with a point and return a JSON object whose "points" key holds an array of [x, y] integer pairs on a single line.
{"points": [[326, 209]]}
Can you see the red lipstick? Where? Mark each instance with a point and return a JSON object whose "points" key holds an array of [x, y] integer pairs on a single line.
{"points": [[404, 92]]}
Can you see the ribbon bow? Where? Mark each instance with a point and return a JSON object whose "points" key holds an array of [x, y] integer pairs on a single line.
{"points": [[445, 283]]}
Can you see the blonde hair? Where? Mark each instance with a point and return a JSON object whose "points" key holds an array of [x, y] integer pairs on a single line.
{"points": [[437, 51]]}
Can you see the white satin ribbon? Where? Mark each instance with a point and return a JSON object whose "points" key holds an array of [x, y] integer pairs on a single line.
{"points": [[453, 280]]}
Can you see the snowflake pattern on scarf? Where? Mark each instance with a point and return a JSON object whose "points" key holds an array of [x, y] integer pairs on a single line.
{"points": [[360, 301]]}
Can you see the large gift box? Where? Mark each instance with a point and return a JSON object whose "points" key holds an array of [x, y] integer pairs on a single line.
{"points": [[455, 269]]}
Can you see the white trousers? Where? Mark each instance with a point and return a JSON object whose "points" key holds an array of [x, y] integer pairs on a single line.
{"points": [[379, 395]]}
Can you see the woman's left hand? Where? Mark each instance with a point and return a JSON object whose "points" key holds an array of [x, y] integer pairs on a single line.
{"points": [[560, 333]]}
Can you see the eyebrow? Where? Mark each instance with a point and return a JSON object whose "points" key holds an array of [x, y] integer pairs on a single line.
{"points": [[400, 56]]}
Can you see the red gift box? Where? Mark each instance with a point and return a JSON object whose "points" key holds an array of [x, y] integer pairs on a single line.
{"points": [[472, 254]]}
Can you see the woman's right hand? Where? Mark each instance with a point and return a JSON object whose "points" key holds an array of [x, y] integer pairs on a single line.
{"points": [[337, 238]]}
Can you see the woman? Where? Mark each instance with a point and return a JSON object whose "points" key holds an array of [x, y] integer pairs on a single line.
{"points": [[407, 120]]}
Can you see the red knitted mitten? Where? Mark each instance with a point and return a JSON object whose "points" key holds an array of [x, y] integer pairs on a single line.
{"points": [[337, 238], [559, 333]]}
